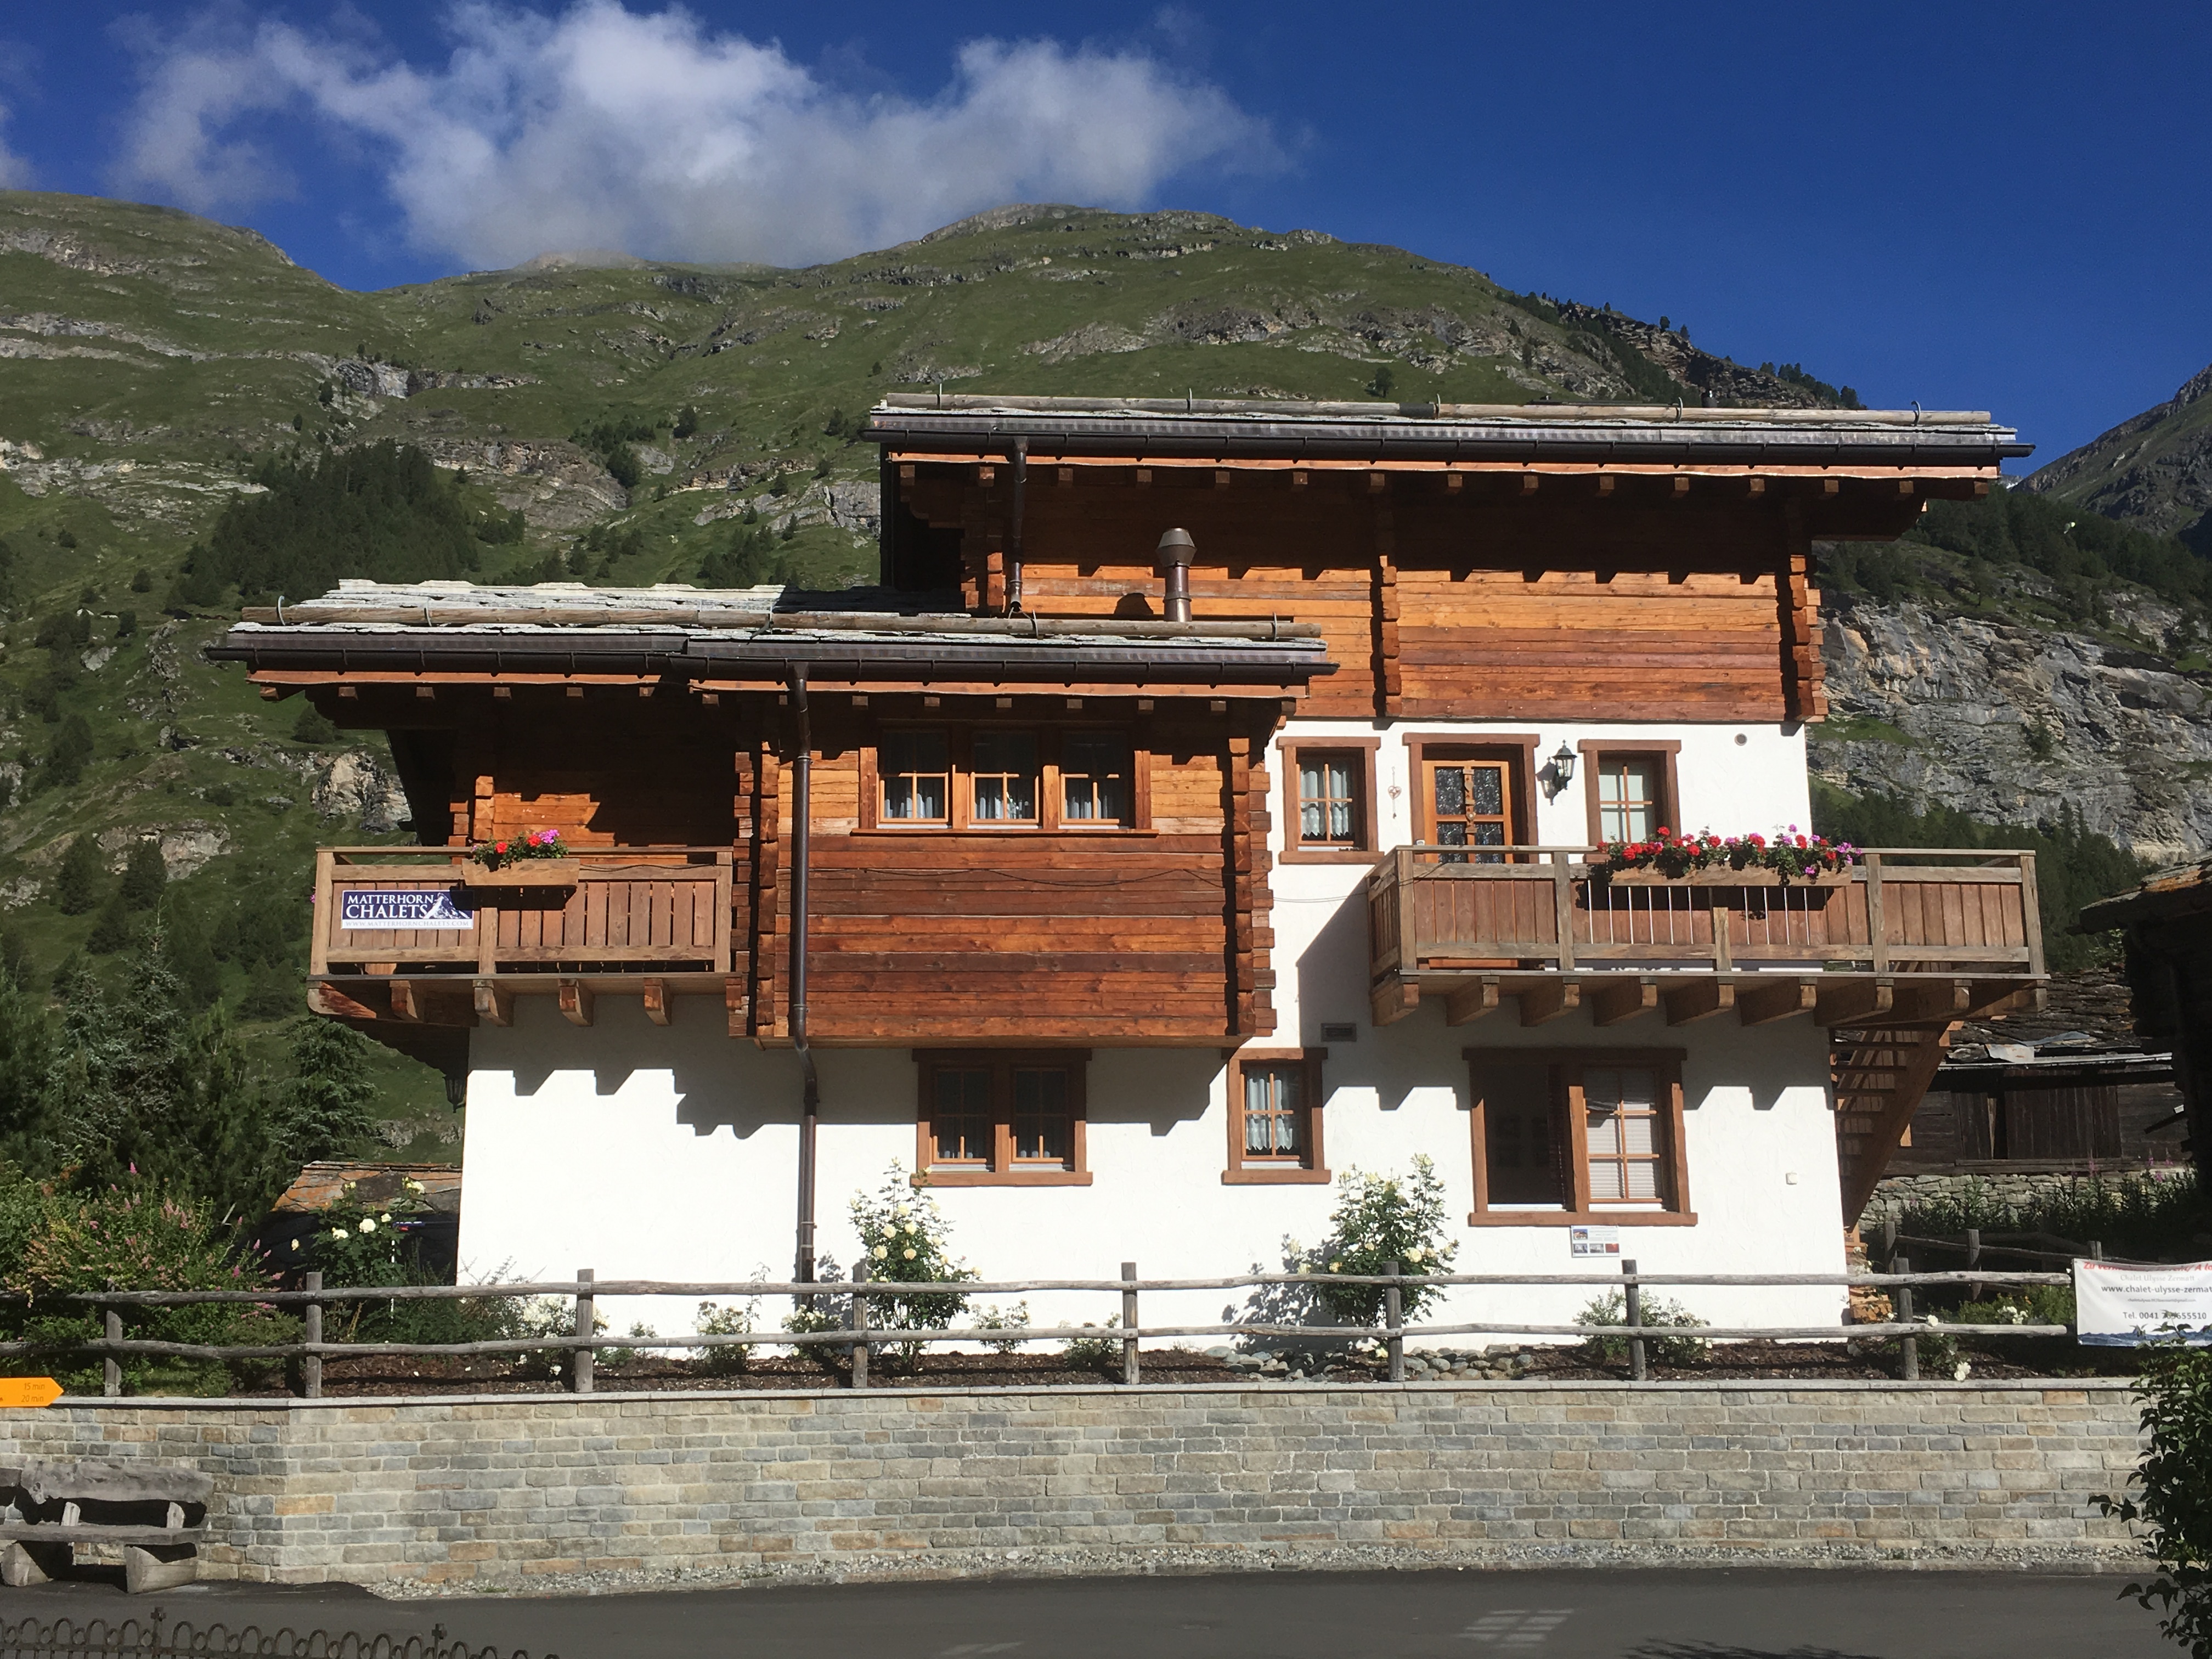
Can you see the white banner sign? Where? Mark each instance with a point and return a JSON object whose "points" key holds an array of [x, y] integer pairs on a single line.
{"points": [[2117, 1306], [387, 908]]}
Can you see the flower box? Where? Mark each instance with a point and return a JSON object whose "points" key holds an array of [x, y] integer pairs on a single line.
{"points": [[522, 875], [1755, 877]]}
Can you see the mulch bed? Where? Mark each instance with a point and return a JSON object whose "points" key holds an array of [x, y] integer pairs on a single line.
{"points": [[388, 1377]]}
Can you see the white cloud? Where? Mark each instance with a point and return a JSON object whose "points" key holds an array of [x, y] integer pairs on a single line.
{"points": [[602, 127], [14, 171]]}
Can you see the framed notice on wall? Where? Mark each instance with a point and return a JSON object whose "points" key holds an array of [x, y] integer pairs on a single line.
{"points": [[2119, 1306], [1594, 1240], [387, 908]]}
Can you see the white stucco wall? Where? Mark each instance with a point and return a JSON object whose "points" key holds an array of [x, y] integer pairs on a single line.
{"points": [[669, 1152]]}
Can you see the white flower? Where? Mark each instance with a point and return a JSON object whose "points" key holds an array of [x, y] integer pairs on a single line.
{"points": [[910, 1253], [368, 1225], [385, 1217], [1413, 1255], [340, 1232], [414, 1186], [1336, 1266], [295, 1244], [898, 1209], [882, 1250], [1961, 1372]]}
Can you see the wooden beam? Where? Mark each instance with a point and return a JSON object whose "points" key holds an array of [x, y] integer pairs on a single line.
{"points": [[495, 1003], [1688, 1004], [576, 1002], [329, 999], [1853, 1003], [1391, 1001], [658, 1008], [1616, 1004], [1681, 487], [1937, 1004], [1471, 1002], [1755, 488], [404, 1005], [1763, 1004], [1605, 483], [1529, 482], [734, 1002], [1544, 1002]]}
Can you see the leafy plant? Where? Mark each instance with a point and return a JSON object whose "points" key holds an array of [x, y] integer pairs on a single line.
{"points": [[1093, 1353], [520, 849], [729, 1358], [992, 1317], [906, 1238], [1612, 1308], [1791, 854], [1379, 1219], [2175, 1508]]}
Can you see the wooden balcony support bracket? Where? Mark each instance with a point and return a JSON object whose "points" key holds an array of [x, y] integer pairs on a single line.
{"points": [[658, 1007], [1763, 1004], [1616, 1004], [1393, 999], [1688, 1004], [1465, 1004], [576, 1002], [1854, 1002], [737, 1005], [495, 1003], [406, 1004], [1932, 1004], [1548, 1001], [328, 999]]}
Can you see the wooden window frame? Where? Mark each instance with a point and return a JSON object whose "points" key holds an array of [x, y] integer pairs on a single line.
{"points": [[960, 746], [1519, 747], [1245, 1171], [1003, 1170], [1592, 749], [1368, 847], [1674, 1209]]}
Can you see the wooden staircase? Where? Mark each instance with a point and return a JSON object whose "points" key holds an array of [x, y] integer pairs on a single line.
{"points": [[1879, 1074]]}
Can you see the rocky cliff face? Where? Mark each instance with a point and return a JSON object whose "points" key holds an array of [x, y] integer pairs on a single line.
{"points": [[2008, 723]]}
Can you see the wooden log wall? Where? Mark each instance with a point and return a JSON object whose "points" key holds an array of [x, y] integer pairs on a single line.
{"points": [[929, 937], [1502, 597]]}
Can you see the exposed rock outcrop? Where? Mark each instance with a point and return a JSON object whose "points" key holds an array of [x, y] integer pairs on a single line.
{"points": [[2010, 724]]}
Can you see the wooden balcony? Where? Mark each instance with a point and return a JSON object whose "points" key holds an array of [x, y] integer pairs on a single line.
{"points": [[1908, 938], [649, 921]]}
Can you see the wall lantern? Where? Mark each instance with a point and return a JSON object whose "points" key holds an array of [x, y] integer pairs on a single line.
{"points": [[1560, 772]]}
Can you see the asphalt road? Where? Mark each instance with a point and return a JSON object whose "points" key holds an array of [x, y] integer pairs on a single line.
{"points": [[1702, 1614]]}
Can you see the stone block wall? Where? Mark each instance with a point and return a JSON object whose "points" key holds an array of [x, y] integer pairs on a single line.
{"points": [[507, 1489]]}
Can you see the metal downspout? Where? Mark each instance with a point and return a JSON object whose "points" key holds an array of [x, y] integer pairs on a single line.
{"points": [[1014, 532], [810, 1110]]}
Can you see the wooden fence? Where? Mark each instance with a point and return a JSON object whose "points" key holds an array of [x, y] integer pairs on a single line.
{"points": [[859, 1332]]}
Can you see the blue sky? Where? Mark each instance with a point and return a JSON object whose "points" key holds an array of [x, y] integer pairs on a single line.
{"points": [[1980, 206]]}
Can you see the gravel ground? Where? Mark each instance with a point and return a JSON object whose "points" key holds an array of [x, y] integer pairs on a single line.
{"points": [[1086, 1563]]}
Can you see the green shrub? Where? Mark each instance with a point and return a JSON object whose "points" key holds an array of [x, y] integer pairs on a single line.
{"points": [[1093, 1353], [1612, 1308], [906, 1236], [1379, 1219], [729, 1358], [2175, 1476], [995, 1318]]}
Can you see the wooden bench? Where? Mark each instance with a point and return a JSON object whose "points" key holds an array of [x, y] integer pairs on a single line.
{"points": [[156, 1513]]}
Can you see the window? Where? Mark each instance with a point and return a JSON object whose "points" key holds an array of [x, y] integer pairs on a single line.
{"points": [[990, 778], [1094, 779], [988, 1118], [1631, 789], [1578, 1135], [1275, 1117], [1468, 796], [1329, 800], [1005, 778], [917, 777]]}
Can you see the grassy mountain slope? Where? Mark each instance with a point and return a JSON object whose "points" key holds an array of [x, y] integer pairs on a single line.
{"points": [[2152, 472], [639, 418]]}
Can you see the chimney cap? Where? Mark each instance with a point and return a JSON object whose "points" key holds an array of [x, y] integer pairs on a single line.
{"points": [[1175, 547]]}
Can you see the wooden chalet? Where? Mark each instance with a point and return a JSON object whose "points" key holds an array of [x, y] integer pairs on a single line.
{"points": [[1200, 775]]}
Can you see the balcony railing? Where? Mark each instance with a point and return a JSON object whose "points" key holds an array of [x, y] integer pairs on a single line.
{"points": [[631, 910], [1544, 909]]}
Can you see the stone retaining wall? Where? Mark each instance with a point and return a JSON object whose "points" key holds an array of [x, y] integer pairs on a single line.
{"points": [[505, 1488], [1894, 1194]]}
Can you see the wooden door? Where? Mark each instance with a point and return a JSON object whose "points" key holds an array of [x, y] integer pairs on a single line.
{"points": [[1468, 803]]}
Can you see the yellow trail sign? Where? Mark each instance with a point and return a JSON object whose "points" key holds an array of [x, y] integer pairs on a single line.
{"points": [[29, 1390]]}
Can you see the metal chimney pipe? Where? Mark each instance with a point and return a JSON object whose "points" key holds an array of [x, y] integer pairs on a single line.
{"points": [[1173, 560]]}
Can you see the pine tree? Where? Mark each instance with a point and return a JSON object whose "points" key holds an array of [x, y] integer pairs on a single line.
{"points": [[144, 876], [77, 883], [26, 1055], [325, 1110], [111, 929]]}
